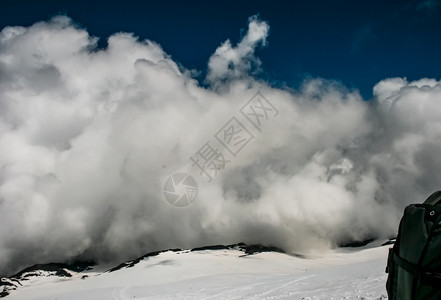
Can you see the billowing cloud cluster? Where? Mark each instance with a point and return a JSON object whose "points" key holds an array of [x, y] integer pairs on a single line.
{"points": [[88, 135]]}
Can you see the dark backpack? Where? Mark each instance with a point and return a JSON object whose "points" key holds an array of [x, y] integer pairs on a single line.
{"points": [[414, 262]]}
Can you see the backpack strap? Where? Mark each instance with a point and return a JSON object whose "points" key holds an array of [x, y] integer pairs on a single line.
{"points": [[406, 265], [426, 277], [434, 198]]}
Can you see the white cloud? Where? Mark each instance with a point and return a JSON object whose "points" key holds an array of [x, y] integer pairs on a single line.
{"points": [[230, 62], [87, 137]]}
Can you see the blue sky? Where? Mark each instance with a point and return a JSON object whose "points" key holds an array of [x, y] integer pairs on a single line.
{"points": [[357, 43]]}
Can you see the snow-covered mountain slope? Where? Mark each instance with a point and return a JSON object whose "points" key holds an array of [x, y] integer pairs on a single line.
{"points": [[232, 272]]}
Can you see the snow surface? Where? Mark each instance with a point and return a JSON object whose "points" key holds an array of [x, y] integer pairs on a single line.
{"points": [[225, 274]]}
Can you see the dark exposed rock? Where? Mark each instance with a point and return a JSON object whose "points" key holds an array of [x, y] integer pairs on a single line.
{"points": [[212, 247], [248, 249], [258, 248], [132, 263], [58, 268], [356, 244], [51, 269], [389, 242]]}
